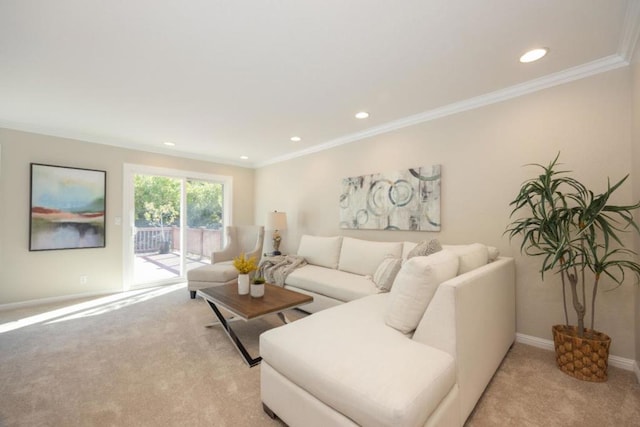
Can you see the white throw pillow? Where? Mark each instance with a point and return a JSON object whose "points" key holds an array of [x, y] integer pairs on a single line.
{"points": [[471, 256], [386, 273], [415, 285], [494, 253], [321, 251], [364, 256]]}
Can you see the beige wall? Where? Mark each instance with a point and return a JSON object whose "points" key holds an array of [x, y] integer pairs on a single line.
{"points": [[482, 153], [635, 155], [28, 275]]}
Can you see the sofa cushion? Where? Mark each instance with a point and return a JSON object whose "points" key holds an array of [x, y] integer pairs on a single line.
{"points": [[322, 251], [386, 272], [471, 256], [336, 284], [425, 248], [364, 256], [414, 287], [401, 383]]}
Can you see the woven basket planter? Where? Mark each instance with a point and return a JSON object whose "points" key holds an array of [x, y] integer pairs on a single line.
{"points": [[583, 358]]}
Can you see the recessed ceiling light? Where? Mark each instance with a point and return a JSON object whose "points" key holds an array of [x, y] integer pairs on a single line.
{"points": [[244, 157], [534, 55], [169, 144], [362, 115], [296, 139]]}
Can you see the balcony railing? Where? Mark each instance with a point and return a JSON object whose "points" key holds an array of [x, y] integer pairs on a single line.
{"points": [[200, 241]]}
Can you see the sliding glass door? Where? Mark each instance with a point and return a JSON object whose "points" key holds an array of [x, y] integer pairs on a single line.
{"points": [[176, 220], [157, 208]]}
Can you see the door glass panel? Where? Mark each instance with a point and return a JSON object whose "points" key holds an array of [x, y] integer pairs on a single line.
{"points": [[157, 229], [205, 207]]}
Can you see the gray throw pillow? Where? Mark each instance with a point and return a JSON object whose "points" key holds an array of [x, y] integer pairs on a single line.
{"points": [[386, 273], [425, 248]]}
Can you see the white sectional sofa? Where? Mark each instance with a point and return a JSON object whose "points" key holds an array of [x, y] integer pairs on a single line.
{"points": [[341, 269], [419, 355]]}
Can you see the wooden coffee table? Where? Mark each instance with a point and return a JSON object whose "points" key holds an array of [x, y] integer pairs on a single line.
{"points": [[245, 307]]}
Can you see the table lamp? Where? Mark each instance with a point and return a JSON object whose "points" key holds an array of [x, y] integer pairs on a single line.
{"points": [[276, 221]]}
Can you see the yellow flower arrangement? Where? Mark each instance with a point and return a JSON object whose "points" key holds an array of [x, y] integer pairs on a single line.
{"points": [[244, 265]]}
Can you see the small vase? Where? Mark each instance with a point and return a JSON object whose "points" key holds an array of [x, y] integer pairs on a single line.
{"points": [[257, 290], [243, 284]]}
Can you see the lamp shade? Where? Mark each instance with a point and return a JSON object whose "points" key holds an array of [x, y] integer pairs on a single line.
{"points": [[276, 221]]}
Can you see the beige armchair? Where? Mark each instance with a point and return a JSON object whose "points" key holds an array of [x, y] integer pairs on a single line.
{"points": [[240, 239]]}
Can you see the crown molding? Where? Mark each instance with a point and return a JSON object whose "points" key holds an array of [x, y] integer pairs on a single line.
{"points": [[571, 74], [598, 66], [630, 31], [128, 145]]}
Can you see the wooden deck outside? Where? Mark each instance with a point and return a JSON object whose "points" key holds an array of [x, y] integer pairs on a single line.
{"points": [[155, 267]]}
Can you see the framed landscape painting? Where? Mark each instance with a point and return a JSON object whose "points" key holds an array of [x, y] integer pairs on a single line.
{"points": [[67, 208]]}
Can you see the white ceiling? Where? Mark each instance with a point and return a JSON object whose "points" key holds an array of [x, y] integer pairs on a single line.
{"points": [[223, 78]]}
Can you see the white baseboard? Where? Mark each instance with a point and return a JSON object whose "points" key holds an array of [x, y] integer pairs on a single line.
{"points": [[65, 298], [636, 369], [616, 361], [52, 300], [535, 341]]}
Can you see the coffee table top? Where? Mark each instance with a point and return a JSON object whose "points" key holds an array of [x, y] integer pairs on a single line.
{"points": [[275, 299]]}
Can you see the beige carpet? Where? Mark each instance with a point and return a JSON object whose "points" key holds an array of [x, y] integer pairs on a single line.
{"points": [[529, 390], [148, 361]]}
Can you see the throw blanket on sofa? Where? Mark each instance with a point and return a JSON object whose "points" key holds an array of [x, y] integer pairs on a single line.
{"points": [[275, 269]]}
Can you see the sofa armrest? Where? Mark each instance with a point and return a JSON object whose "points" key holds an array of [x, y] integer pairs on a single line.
{"points": [[473, 318], [257, 249]]}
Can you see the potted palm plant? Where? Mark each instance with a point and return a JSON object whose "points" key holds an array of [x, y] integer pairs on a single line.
{"points": [[576, 233]]}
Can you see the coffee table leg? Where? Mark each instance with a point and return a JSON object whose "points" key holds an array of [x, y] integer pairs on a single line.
{"points": [[234, 339], [283, 317], [217, 323]]}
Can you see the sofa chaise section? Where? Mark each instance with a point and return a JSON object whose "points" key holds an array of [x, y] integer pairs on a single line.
{"points": [[347, 366], [348, 359]]}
